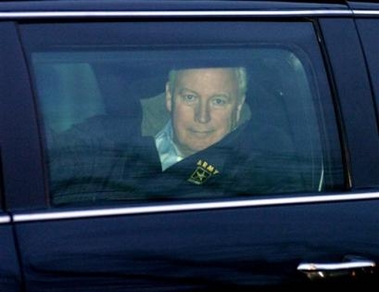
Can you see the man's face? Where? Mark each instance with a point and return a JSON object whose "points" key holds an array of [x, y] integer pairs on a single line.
{"points": [[204, 106]]}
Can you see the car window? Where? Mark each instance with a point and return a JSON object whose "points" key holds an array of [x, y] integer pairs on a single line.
{"points": [[181, 112]]}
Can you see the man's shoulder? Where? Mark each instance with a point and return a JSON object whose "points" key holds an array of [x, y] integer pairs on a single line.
{"points": [[155, 114]]}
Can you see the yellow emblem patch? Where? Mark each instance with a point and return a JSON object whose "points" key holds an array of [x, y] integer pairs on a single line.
{"points": [[202, 173]]}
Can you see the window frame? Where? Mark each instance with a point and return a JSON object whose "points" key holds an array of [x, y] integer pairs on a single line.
{"points": [[39, 201]]}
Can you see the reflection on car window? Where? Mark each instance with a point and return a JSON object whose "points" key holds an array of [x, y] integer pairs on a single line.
{"points": [[165, 123]]}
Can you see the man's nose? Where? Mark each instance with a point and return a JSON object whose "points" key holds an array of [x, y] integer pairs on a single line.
{"points": [[202, 113]]}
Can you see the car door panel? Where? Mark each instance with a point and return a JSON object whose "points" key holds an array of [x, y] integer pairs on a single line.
{"points": [[233, 248]]}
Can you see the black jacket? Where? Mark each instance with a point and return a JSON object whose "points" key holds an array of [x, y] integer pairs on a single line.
{"points": [[106, 159]]}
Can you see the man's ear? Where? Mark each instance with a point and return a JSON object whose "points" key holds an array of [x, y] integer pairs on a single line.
{"points": [[239, 108], [168, 98]]}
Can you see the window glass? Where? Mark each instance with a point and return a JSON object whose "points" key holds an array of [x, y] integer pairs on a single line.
{"points": [[169, 113]]}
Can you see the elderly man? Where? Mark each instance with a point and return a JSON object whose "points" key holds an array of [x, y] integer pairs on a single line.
{"points": [[205, 105], [207, 150]]}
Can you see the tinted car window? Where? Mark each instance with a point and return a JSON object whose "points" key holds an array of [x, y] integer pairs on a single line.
{"points": [[102, 99]]}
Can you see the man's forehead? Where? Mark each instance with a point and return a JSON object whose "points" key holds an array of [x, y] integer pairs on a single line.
{"points": [[224, 72], [209, 81]]}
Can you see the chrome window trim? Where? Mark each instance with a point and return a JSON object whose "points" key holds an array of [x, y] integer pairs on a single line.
{"points": [[127, 14], [366, 12], [184, 207], [5, 219], [133, 14]]}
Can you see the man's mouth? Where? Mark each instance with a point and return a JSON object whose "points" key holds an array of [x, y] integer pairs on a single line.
{"points": [[201, 132]]}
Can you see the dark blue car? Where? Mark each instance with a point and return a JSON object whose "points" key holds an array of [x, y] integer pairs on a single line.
{"points": [[278, 186]]}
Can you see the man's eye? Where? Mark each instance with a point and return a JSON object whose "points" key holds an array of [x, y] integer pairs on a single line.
{"points": [[219, 101], [189, 97]]}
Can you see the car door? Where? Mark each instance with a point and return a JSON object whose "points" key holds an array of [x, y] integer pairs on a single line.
{"points": [[92, 225]]}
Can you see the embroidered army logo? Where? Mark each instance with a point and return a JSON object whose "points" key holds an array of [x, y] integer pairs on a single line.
{"points": [[202, 173]]}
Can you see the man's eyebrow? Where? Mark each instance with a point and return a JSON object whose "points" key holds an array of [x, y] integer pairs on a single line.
{"points": [[185, 89], [227, 95], [223, 95]]}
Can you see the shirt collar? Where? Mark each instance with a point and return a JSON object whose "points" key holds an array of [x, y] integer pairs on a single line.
{"points": [[169, 154]]}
